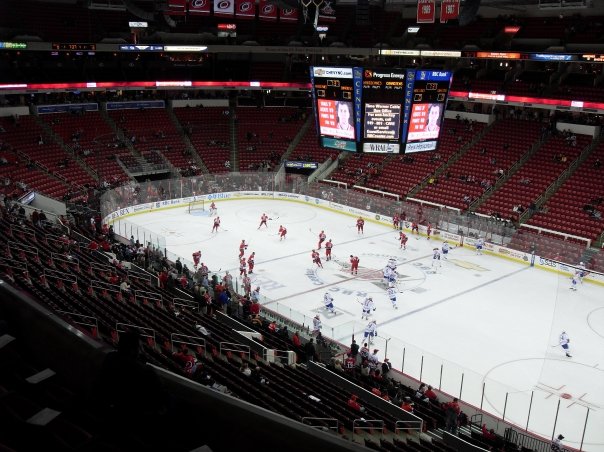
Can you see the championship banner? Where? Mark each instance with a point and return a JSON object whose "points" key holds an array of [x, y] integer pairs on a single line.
{"points": [[327, 11], [200, 7], [245, 9], [426, 11], [267, 11], [288, 15], [177, 8], [224, 8], [449, 9]]}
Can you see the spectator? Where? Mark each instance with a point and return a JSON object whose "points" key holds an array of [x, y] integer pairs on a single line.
{"points": [[556, 446], [488, 434], [430, 394], [407, 405], [452, 411], [352, 403], [386, 366]]}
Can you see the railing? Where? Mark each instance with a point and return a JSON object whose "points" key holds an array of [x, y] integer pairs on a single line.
{"points": [[383, 194], [319, 422]]}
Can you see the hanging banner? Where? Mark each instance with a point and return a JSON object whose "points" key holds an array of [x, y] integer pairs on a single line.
{"points": [[449, 9], [200, 7], [177, 8], [267, 11], [426, 11], [327, 11], [288, 15], [224, 8], [245, 9]]}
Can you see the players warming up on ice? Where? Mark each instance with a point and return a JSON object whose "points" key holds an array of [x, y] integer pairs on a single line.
{"points": [[328, 300], [564, 341], [479, 245], [414, 228], [322, 238], [392, 294], [242, 248], [354, 265], [370, 332], [574, 281], [389, 272], [251, 263], [242, 267], [445, 249], [213, 208], [435, 259], [328, 247], [196, 258], [263, 219], [368, 306], [395, 221], [282, 232], [216, 224], [403, 239], [316, 259], [582, 272], [316, 325], [429, 230], [360, 225]]}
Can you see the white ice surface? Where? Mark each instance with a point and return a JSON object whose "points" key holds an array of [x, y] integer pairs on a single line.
{"points": [[485, 319]]}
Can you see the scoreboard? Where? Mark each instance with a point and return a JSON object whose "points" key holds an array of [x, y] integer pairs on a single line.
{"points": [[379, 109]]}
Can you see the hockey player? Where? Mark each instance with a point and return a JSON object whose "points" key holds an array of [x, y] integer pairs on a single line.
{"points": [[242, 248], [328, 247], [564, 341], [316, 325], [395, 221], [247, 285], [251, 262], [242, 267], [328, 300], [360, 225], [370, 332], [445, 249], [582, 272], [392, 294], [316, 259], [216, 224], [282, 232], [354, 265], [574, 281], [263, 219], [322, 238], [403, 239], [414, 228], [368, 306], [435, 260], [479, 245], [429, 230], [196, 258], [213, 208]]}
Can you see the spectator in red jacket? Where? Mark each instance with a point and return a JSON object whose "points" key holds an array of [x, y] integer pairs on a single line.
{"points": [[352, 403], [430, 393], [296, 340], [488, 434]]}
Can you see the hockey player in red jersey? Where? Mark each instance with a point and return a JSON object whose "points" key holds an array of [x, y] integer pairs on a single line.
{"points": [[263, 219], [328, 247], [414, 228], [242, 248], [242, 267], [213, 208], [322, 238], [216, 224], [395, 221], [196, 258], [354, 265], [429, 230], [403, 239], [247, 285], [250, 262], [316, 259], [282, 232], [360, 225]]}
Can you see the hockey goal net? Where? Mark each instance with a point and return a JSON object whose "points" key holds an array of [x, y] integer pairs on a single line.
{"points": [[198, 206]]}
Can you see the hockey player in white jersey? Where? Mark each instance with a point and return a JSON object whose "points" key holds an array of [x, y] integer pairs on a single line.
{"points": [[328, 300], [392, 294], [316, 325], [575, 280], [564, 341], [582, 272], [370, 331], [435, 260], [479, 245], [445, 249], [368, 306]]}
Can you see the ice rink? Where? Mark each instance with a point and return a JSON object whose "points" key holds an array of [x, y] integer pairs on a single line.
{"points": [[482, 327]]}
